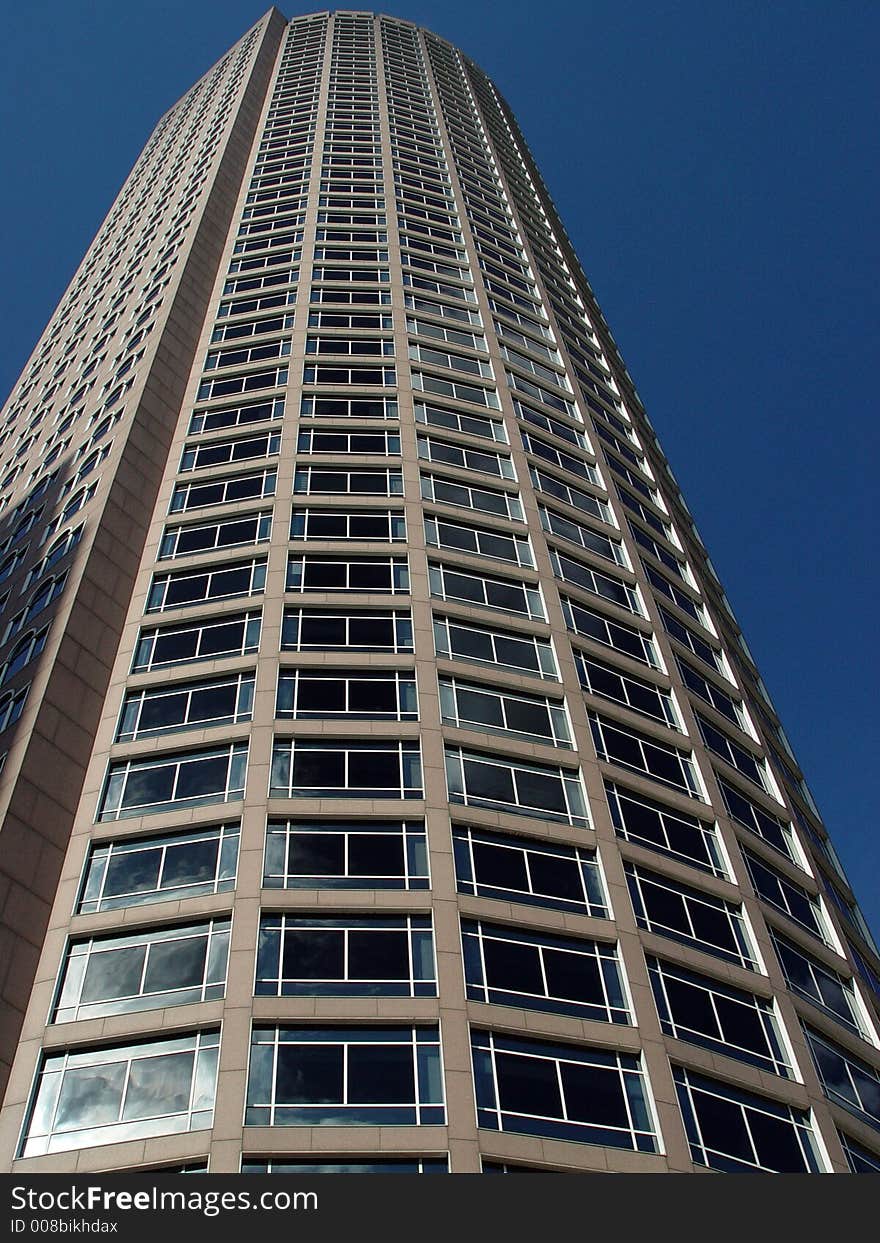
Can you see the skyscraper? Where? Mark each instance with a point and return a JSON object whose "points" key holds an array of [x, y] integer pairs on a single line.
{"points": [[386, 784]]}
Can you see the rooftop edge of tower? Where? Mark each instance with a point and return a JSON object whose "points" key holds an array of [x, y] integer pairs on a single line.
{"points": [[390, 17]]}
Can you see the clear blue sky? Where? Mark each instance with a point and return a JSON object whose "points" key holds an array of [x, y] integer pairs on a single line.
{"points": [[716, 166]]}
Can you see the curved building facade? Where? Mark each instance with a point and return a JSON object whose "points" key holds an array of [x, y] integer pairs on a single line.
{"points": [[387, 785]]}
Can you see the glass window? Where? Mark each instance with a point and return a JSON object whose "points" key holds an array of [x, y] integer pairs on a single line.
{"points": [[738, 1132], [718, 1017], [341, 481], [559, 458], [562, 1091], [425, 383], [576, 533], [332, 441], [823, 986], [242, 355], [845, 907], [499, 545], [361, 275], [362, 574], [540, 394], [345, 1076], [428, 305], [521, 869], [333, 854], [870, 975], [753, 767], [592, 625], [8, 565], [608, 438], [386, 525], [693, 608], [433, 286], [48, 592], [85, 1097], [443, 452], [450, 583], [171, 645], [763, 824], [729, 707], [73, 506], [454, 362], [640, 754], [240, 415], [274, 377], [372, 347], [792, 899], [648, 516], [169, 782], [306, 630], [143, 971], [138, 871], [607, 682], [470, 705], [546, 792], [672, 563], [61, 547], [648, 823], [313, 768], [217, 582], [382, 1165], [505, 649], [526, 321], [230, 533], [186, 705], [461, 421], [860, 1160], [527, 343], [709, 655], [323, 406], [691, 916], [585, 502], [26, 649], [214, 453], [224, 491], [350, 319], [12, 706], [537, 369], [484, 500], [307, 694], [513, 967], [346, 957]]}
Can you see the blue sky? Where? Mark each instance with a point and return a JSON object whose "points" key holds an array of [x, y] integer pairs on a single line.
{"points": [[716, 167]]}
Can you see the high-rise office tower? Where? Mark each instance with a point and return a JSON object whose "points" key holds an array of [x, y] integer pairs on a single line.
{"points": [[387, 784]]}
